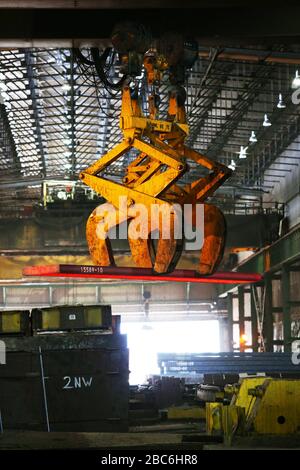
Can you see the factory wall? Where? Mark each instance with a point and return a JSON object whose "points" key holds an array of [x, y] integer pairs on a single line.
{"points": [[287, 186]]}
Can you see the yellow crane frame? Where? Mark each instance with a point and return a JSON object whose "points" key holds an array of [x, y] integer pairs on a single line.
{"points": [[152, 179]]}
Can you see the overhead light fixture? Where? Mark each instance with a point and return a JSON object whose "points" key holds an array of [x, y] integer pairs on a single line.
{"points": [[66, 87], [68, 166], [252, 137], [280, 103], [243, 339], [243, 152], [3, 87], [62, 195], [232, 165], [267, 122], [4, 95], [296, 81]]}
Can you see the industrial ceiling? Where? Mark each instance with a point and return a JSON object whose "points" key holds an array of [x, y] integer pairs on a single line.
{"points": [[57, 117]]}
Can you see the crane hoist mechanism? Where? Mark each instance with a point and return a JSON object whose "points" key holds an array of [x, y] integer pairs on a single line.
{"points": [[154, 176]]}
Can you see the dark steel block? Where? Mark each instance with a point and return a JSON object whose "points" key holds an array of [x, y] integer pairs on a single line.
{"points": [[85, 378]]}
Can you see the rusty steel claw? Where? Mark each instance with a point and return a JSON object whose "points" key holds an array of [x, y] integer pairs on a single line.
{"points": [[141, 252], [142, 247], [168, 249], [152, 179], [214, 240], [163, 256], [104, 218]]}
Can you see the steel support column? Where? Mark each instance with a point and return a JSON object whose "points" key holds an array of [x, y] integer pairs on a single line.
{"points": [[268, 315], [241, 301], [230, 320], [254, 325], [285, 292], [34, 98]]}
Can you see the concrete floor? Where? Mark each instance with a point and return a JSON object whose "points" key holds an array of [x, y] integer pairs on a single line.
{"points": [[32, 440], [21, 440]]}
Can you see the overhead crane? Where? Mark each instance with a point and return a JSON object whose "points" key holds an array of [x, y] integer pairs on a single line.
{"points": [[154, 177], [159, 159]]}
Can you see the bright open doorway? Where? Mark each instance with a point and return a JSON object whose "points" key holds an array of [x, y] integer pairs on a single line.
{"points": [[146, 339]]}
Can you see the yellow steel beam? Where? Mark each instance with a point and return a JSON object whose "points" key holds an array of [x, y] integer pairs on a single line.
{"points": [[158, 183], [112, 191], [172, 161], [153, 167], [205, 161], [108, 158]]}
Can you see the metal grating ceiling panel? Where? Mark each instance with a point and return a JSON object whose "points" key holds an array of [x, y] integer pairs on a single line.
{"points": [[57, 117]]}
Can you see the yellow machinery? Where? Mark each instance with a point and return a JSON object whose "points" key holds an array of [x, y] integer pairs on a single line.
{"points": [[259, 405], [15, 322], [152, 179], [186, 412]]}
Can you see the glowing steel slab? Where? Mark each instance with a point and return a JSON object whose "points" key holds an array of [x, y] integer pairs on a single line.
{"points": [[139, 274]]}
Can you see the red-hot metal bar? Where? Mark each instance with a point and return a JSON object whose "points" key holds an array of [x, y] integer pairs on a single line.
{"points": [[139, 274]]}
